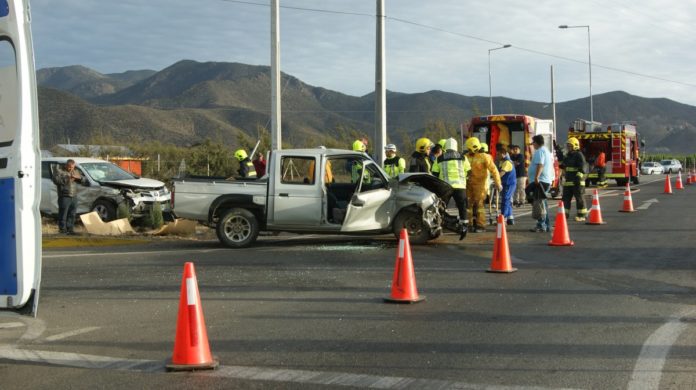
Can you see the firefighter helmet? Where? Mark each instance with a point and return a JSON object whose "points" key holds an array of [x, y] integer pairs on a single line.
{"points": [[442, 143], [390, 147], [359, 146], [422, 144], [574, 143], [450, 144], [473, 144], [240, 154]]}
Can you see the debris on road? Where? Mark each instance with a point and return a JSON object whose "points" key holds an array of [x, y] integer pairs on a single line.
{"points": [[94, 225]]}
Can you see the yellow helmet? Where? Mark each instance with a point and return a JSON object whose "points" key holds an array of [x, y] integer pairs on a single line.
{"points": [[240, 154], [484, 147], [359, 146], [572, 141], [473, 144], [422, 144], [442, 143]]}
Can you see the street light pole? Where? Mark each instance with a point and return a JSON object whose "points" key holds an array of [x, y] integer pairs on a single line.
{"points": [[490, 82], [589, 62]]}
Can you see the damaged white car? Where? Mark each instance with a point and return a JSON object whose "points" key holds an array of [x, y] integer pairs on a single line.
{"points": [[106, 187]]}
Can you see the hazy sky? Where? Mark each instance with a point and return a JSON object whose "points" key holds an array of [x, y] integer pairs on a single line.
{"points": [[337, 51]]}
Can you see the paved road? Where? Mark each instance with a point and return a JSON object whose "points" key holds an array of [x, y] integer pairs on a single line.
{"points": [[615, 311]]}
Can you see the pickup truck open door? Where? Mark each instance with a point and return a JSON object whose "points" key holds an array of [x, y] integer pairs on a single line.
{"points": [[20, 175], [370, 206]]}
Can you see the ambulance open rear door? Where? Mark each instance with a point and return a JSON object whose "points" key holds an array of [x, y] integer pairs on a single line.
{"points": [[20, 175]]}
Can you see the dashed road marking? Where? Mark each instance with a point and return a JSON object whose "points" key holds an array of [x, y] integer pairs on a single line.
{"points": [[72, 333], [10, 325], [250, 373]]}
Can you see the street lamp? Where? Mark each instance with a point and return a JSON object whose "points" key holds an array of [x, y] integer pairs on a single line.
{"points": [[589, 61], [490, 84]]}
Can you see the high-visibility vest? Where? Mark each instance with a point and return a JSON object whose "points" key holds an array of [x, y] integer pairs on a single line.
{"points": [[251, 170], [453, 171], [356, 171], [394, 166]]}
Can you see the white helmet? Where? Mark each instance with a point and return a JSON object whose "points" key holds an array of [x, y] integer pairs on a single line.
{"points": [[451, 144], [391, 147]]}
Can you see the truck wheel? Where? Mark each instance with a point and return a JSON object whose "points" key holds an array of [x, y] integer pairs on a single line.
{"points": [[237, 228], [105, 209], [418, 232], [621, 182]]}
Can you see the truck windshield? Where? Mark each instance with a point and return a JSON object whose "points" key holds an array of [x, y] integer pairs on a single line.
{"points": [[106, 172]]}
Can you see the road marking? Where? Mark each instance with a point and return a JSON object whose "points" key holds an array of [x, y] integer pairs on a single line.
{"points": [[10, 325], [67, 255], [252, 373], [648, 369], [647, 203], [65, 335]]}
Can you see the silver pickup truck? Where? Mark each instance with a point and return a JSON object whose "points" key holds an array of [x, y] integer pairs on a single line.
{"points": [[316, 191]]}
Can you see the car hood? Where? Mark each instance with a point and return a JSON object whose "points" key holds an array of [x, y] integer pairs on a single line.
{"points": [[135, 183], [431, 183]]}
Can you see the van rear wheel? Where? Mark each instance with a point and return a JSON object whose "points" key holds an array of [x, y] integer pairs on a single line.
{"points": [[237, 228]]}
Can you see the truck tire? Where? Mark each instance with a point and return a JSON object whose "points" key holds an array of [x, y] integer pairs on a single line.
{"points": [[418, 232], [622, 182], [105, 209], [237, 228]]}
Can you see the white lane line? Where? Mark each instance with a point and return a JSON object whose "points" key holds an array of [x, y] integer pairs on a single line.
{"points": [[66, 255], [10, 325], [65, 335], [251, 373], [648, 369]]}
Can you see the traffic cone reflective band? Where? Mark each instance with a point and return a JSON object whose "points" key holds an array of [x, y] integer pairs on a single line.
{"points": [[595, 211], [628, 201], [501, 262], [560, 231], [679, 185], [404, 288], [688, 177], [668, 185], [191, 349]]}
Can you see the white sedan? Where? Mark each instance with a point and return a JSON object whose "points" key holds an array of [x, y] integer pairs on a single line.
{"points": [[651, 168]]}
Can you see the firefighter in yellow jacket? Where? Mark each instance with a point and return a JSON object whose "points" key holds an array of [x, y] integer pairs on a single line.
{"points": [[481, 165]]}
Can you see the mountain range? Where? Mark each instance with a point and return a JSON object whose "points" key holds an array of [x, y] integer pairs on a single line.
{"points": [[190, 101]]}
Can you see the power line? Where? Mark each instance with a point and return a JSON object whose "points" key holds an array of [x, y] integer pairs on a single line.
{"points": [[473, 37]]}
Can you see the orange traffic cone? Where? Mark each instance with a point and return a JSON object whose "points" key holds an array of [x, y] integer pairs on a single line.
{"points": [[679, 185], [404, 288], [595, 211], [191, 349], [560, 231], [688, 177], [501, 262], [668, 185], [628, 200]]}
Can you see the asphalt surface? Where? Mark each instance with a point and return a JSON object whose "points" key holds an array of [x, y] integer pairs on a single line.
{"points": [[614, 311]]}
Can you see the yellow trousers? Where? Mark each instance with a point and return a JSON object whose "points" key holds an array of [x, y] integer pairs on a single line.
{"points": [[476, 197]]}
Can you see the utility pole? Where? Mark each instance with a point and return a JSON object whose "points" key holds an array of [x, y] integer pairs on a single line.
{"points": [[276, 135], [553, 101], [380, 88]]}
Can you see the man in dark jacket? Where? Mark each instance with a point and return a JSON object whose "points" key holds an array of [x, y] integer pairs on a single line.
{"points": [[518, 160], [574, 181], [420, 161], [65, 179]]}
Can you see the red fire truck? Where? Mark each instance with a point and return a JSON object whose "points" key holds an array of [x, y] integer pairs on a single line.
{"points": [[513, 129], [620, 144]]}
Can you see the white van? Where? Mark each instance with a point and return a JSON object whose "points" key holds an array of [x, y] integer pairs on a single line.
{"points": [[107, 186]]}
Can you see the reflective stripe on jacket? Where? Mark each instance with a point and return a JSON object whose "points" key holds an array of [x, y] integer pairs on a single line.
{"points": [[453, 168], [394, 166]]}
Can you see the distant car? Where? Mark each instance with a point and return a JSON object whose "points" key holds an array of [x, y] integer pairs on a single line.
{"points": [[107, 186], [671, 166], [651, 168]]}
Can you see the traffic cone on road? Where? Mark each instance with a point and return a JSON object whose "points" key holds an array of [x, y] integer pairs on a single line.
{"points": [[404, 288], [679, 185], [561, 237], [191, 349], [595, 211], [501, 262], [628, 201], [668, 185]]}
